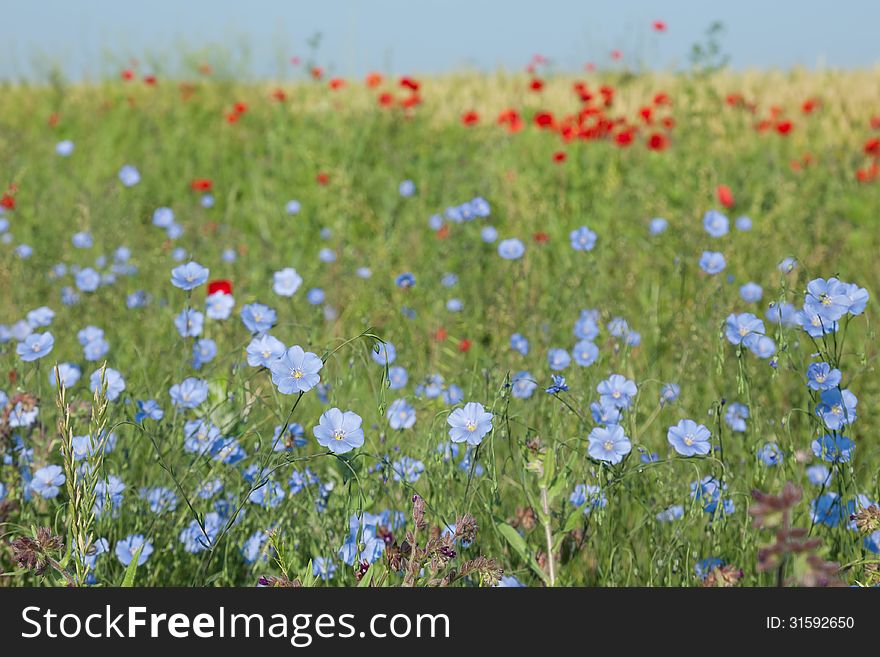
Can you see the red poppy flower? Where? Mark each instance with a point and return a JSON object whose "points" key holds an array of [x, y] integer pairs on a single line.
{"points": [[128, 74], [231, 117], [464, 345], [784, 127], [279, 95], [645, 113], [443, 233], [317, 73], [868, 174], [659, 26], [559, 157], [150, 80], [616, 54], [386, 99], [536, 84], [8, 201], [323, 178], [409, 83], [201, 185], [240, 108], [439, 335], [220, 285], [411, 101], [725, 196], [875, 122], [470, 118], [544, 120], [658, 142], [668, 122], [373, 79], [541, 238], [810, 104], [872, 147], [624, 138], [337, 83], [662, 98]]}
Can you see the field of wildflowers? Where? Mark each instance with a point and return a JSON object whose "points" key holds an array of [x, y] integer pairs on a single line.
{"points": [[518, 330]]}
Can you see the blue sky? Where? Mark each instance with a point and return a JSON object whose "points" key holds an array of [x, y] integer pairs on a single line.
{"points": [[89, 38]]}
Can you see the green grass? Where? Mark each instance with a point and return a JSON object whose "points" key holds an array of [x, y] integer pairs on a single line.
{"points": [[536, 453]]}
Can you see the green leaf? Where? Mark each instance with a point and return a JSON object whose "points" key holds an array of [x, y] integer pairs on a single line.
{"points": [[131, 571], [518, 543]]}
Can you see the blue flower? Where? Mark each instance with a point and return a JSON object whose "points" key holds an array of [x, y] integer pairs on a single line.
{"points": [[397, 377], [315, 296], [35, 346], [129, 176], [604, 413], [407, 188], [160, 500], [858, 298], [405, 280], [608, 444], [112, 379], [827, 510], [46, 481], [338, 431], [323, 568], [219, 305], [585, 353], [189, 393], [69, 374], [163, 217], [292, 207], [587, 327], [519, 343], [712, 262], [658, 225], [128, 547], [383, 353], [582, 239], [818, 475], [670, 514], [64, 148], [189, 276], [511, 249], [189, 323], [736, 415], [589, 495], [489, 234], [40, 318], [826, 298], [258, 318], [327, 255], [522, 385], [617, 391], [837, 408], [770, 454], [252, 550], [286, 282], [557, 386], [148, 409], [407, 469], [833, 449], [751, 292], [743, 223], [814, 325], [558, 359], [715, 223], [268, 496], [263, 350], [296, 371], [669, 393], [204, 351], [689, 438], [469, 424], [743, 328], [401, 415], [703, 568]]}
